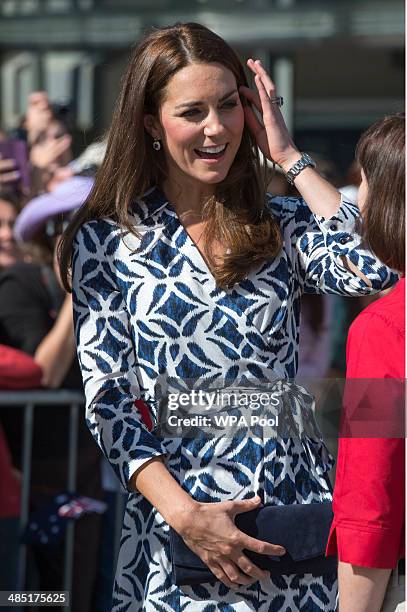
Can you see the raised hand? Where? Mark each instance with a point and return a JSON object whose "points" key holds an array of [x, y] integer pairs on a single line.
{"points": [[271, 133], [46, 154], [38, 115]]}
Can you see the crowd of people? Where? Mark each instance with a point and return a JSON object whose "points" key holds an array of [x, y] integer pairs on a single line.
{"points": [[37, 350], [185, 197]]}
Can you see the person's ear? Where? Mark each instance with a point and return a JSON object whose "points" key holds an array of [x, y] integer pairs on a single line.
{"points": [[152, 126]]}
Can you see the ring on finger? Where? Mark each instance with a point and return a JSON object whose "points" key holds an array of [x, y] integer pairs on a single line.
{"points": [[279, 100]]}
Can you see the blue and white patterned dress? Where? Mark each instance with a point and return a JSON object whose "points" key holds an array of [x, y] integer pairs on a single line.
{"points": [[147, 308]]}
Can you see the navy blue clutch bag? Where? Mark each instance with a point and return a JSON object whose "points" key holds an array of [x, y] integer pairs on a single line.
{"points": [[302, 529]]}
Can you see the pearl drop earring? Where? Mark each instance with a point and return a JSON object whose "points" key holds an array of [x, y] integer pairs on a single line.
{"points": [[156, 145]]}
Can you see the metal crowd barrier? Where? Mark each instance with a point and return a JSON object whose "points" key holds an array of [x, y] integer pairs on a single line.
{"points": [[75, 401]]}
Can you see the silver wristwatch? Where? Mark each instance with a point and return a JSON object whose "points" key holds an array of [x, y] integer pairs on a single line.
{"points": [[302, 163]]}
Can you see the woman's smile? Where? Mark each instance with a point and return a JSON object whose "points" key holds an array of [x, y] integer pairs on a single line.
{"points": [[211, 154], [200, 125]]}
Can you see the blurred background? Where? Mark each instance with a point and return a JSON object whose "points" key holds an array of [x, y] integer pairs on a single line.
{"points": [[339, 64]]}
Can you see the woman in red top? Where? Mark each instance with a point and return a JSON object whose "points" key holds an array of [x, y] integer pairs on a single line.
{"points": [[367, 531]]}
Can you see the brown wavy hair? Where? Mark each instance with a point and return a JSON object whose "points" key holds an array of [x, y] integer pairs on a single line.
{"points": [[236, 215], [381, 155]]}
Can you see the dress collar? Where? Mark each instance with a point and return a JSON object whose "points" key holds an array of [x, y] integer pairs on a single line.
{"points": [[149, 204]]}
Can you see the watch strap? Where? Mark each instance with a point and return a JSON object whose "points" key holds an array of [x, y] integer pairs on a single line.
{"points": [[302, 163]]}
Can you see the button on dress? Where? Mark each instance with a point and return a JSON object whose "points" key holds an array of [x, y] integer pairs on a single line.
{"points": [[147, 309]]}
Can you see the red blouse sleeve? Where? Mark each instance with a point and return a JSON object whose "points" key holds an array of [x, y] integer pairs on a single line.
{"points": [[369, 490]]}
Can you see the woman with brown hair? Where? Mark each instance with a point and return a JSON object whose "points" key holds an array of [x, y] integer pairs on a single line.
{"points": [[368, 527], [185, 272]]}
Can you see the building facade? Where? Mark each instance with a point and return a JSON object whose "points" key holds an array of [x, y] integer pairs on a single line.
{"points": [[338, 63]]}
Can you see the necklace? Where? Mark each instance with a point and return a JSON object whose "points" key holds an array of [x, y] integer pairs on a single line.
{"points": [[190, 212], [199, 239]]}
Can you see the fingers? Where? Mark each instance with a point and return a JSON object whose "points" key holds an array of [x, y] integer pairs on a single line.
{"points": [[257, 68], [38, 116], [253, 122], [256, 123], [245, 541], [38, 101], [234, 574], [239, 571], [251, 95], [266, 89], [44, 154], [38, 96], [8, 172], [9, 177], [261, 547], [62, 144], [249, 568], [264, 98], [222, 576], [244, 505], [7, 164]]}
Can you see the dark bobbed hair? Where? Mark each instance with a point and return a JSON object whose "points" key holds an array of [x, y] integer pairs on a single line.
{"points": [[236, 215], [381, 155]]}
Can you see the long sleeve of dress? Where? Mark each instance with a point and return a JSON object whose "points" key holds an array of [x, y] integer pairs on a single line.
{"points": [[106, 350], [320, 247]]}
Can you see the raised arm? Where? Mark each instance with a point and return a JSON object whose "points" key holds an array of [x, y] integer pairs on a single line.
{"points": [[53, 348], [277, 145], [56, 351], [328, 254], [332, 258]]}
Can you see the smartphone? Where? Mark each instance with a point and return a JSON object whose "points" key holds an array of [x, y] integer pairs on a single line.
{"points": [[17, 150]]}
